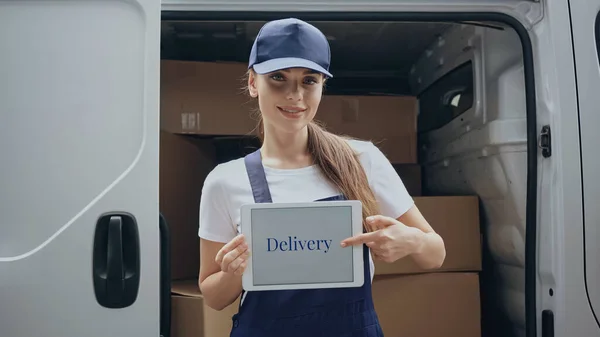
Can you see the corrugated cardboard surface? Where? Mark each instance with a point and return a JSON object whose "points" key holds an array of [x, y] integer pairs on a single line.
{"points": [[193, 104], [399, 149], [389, 121], [191, 318], [428, 305], [368, 116], [425, 305], [205, 98], [184, 163], [456, 220]]}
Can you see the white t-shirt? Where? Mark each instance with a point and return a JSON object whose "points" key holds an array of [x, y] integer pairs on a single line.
{"points": [[227, 188]]}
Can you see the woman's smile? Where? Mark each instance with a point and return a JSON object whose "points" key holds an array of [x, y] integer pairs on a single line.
{"points": [[291, 111]]}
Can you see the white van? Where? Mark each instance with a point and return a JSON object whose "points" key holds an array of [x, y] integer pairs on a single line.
{"points": [[509, 93]]}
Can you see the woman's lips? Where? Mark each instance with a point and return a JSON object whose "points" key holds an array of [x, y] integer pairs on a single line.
{"points": [[292, 112]]}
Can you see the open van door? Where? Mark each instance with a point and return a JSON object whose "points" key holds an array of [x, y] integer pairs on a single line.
{"points": [[585, 22], [79, 220]]}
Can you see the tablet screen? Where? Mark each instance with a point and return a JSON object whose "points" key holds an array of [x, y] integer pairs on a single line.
{"points": [[301, 245]]}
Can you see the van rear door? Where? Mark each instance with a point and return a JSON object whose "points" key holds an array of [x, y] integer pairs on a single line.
{"points": [[79, 234], [585, 22]]}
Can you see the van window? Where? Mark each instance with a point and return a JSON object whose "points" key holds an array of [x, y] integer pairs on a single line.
{"points": [[446, 99]]}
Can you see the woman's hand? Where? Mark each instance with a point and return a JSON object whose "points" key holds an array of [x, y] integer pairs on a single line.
{"points": [[391, 241], [233, 256], [409, 235]]}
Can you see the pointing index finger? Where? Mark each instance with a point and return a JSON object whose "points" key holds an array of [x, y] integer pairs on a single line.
{"points": [[361, 238]]}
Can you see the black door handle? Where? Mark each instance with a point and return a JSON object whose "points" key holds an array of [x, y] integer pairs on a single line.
{"points": [[165, 277], [116, 260], [115, 274]]}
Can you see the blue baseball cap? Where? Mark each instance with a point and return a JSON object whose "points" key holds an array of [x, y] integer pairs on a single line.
{"points": [[290, 43]]}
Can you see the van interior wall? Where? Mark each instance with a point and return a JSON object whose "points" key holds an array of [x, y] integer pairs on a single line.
{"points": [[483, 151], [464, 163]]}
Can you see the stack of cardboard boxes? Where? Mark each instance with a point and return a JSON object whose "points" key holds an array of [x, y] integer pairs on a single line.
{"points": [[202, 104], [442, 302]]}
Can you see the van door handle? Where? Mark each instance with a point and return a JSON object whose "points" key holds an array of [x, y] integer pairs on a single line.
{"points": [[116, 260], [115, 275]]}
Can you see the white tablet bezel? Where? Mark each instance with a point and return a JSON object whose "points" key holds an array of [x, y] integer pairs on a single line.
{"points": [[357, 251]]}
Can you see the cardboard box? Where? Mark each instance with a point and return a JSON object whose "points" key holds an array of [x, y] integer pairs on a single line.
{"points": [[406, 306], [192, 318], [428, 305], [191, 104], [456, 220], [389, 121], [411, 177], [184, 163], [399, 149], [205, 98]]}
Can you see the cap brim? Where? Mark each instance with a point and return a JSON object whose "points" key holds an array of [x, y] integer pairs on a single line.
{"points": [[288, 62]]}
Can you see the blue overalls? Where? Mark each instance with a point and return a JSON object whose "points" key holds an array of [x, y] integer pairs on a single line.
{"points": [[337, 312]]}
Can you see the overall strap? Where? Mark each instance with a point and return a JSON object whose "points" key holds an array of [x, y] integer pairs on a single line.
{"points": [[258, 180]]}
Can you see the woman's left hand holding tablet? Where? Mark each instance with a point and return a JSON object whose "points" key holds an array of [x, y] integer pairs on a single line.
{"points": [[233, 256]]}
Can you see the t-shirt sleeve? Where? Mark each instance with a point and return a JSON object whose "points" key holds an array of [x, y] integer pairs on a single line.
{"points": [[215, 222], [394, 200]]}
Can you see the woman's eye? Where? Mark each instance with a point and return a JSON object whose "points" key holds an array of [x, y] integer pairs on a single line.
{"points": [[310, 80], [277, 77]]}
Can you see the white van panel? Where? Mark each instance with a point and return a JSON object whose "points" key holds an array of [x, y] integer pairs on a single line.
{"points": [[526, 11], [78, 138], [484, 152], [586, 30], [561, 268]]}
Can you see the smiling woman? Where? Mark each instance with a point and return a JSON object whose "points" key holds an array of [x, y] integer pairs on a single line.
{"points": [[301, 162], [289, 93], [309, 81], [288, 100]]}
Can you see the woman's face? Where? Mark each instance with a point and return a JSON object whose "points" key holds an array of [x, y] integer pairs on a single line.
{"points": [[288, 99]]}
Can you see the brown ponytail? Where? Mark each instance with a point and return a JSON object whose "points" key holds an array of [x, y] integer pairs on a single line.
{"points": [[340, 165]]}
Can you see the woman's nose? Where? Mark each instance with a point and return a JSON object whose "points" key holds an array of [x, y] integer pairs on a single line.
{"points": [[295, 92]]}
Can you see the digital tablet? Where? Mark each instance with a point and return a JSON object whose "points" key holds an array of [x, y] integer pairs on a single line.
{"points": [[297, 245]]}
